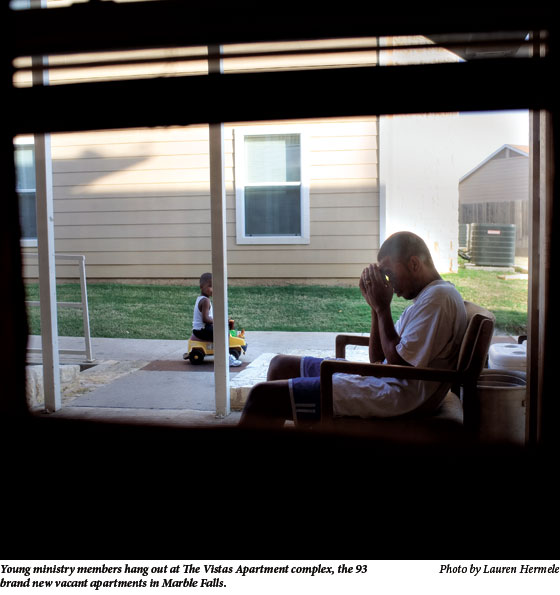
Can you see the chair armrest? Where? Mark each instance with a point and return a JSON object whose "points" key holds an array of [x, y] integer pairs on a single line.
{"points": [[330, 367], [342, 340]]}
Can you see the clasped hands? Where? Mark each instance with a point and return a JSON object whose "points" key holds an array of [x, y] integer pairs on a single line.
{"points": [[376, 287]]}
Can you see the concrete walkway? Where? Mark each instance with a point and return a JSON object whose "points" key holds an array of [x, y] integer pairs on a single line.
{"points": [[118, 388]]}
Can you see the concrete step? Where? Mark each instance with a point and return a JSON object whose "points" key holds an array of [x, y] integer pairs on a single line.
{"points": [[34, 387], [241, 384]]}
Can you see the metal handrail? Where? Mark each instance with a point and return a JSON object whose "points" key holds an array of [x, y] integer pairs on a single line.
{"points": [[88, 351]]}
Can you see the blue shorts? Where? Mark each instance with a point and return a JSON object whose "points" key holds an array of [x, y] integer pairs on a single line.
{"points": [[305, 391]]}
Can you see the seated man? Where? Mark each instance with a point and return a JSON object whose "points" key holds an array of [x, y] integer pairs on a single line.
{"points": [[428, 334]]}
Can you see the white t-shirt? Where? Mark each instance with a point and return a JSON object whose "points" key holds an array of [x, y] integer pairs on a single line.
{"points": [[431, 331]]}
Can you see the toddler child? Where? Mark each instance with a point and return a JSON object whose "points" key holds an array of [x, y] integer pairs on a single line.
{"points": [[203, 316]]}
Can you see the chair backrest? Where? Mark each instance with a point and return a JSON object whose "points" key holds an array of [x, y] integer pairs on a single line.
{"points": [[476, 341], [472, 354], [472, 357]]}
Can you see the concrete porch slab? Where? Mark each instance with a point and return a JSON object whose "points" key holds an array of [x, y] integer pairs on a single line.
{"points": [[154, 390]]}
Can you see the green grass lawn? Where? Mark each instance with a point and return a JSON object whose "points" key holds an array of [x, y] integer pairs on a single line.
{"points": [[165, 312]]}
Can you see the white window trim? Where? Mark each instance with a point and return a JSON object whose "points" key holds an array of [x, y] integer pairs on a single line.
{"points": [[26, 140], [239, 165]]}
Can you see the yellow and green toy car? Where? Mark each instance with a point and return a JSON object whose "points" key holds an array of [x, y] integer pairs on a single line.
{"points": [[198, 349]]}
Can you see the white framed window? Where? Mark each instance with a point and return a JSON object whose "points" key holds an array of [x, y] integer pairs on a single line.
{"points": [[24, 155], [271, 185]]}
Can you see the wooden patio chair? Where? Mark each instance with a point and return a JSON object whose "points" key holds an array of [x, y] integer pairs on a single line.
{"points": [[454, 418]]}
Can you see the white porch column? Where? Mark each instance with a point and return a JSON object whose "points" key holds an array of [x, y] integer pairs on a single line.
{"points": [[47, 272], [46, 250], [219, 252]]}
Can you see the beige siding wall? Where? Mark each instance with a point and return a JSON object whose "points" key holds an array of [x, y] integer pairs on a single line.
{"points": [[136, 203]]}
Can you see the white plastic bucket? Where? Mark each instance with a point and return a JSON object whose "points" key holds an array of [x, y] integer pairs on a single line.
{"points": [[508, 356], [501, 396]]}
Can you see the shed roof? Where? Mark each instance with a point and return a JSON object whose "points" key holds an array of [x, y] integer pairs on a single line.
{"points": [[523, 151]]}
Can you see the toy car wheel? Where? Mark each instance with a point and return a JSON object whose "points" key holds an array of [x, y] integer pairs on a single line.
{"points": [[235, 352], [196, 356]]}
